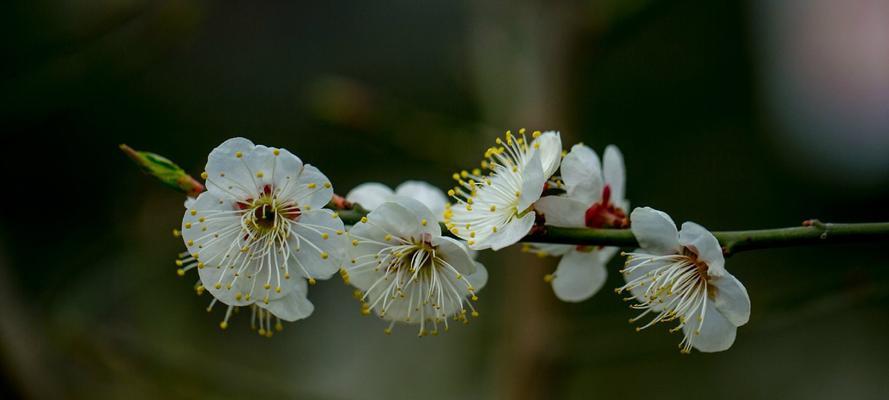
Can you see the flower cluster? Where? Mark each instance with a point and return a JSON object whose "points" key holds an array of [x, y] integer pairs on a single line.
{"points": [[260, 235]]}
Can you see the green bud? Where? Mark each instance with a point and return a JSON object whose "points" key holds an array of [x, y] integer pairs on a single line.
{"points": [[164, 170]]}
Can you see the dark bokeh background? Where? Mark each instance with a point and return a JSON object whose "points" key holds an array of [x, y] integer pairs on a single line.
{"points": [[732, 114]]}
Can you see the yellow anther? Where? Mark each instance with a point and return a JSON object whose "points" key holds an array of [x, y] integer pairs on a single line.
{"points": [[548, 278], [238, 154], [469, 207], [189, 243], [325, 236], [238, 296], [536, 145], [267, 286], [456, 176], [324, 255], [494, 229], [179, 263], [266, 299], [339, 232], [276, 152], [354, 242], [474, 298], [188, 225], [200, 265], [312, 185], [259, 174], [454, 230], [423, 222], [535, 134], [218, 285], [363, 220], [471, 242], [387, 331], [312, 281], [451, 192], [277, 289], [521, 131], [201, 219], [286, 275], [475, 314], [493, 208], [223, 325], [176, 233], [279, 326], [204, 175], [326, 185], [180, 272], [472, 234], [193, 212], [387, 237], [518, 194]]}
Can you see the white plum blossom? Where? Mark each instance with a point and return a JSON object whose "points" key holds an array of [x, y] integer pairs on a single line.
{"points": [[406, 271], [259, 233], [594, 198], [495, 210], [679, 275], [372, 194]]}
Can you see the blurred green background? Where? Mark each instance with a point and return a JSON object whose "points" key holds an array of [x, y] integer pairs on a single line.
{"points": [[731, 114]]}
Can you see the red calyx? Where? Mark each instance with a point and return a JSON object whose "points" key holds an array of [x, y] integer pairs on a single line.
{"points": [[604, 214]]}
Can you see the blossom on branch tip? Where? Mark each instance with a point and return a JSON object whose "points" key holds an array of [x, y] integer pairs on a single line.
{"points": [[406, 271], [259, 234], [495, 209], [594, 198], [372, 194], [679, 275]]}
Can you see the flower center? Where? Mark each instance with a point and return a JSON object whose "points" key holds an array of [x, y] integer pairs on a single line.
{"points": [[604, 214]]}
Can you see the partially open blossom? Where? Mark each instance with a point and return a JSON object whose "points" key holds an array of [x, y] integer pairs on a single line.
{"points": [[594, 198], [406, 271], [258, 234], [372, 194], [495, 210], [679, 276]]}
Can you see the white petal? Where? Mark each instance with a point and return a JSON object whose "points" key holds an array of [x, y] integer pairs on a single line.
{"points": [[294, 306], [614, 173], [312, 188], [261, 163], [732, 299], [717, 333], [455, 254], [431, 196], [582, 173], [549, 249], [396, 220], [655, 231], [562, 211], [227, 174], [532, 183], [699, 240], [307, 244], [369, 195], [514, 231], [428, 222], [579, 276], [549, 146], [189, 202], [287, 169], [479, 279]]}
